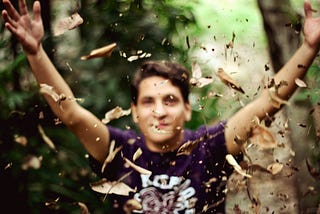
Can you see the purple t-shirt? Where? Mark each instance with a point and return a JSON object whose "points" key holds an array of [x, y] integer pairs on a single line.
{"points": [[187, 183]]}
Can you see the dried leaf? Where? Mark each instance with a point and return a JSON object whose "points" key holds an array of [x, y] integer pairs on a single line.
{"points": [[261, 136], [197, 79], [111, 187], [300, 83], [45, 138], [83, 207], [187, 147], [132, 204], [112, 153], [236, 166], [276, 101], [100, 52], [275, 168], [227, 80], [115, 113], [49, 90], [22, 140], [136, 167], [137, 154], [31, 161], [67, 23]]}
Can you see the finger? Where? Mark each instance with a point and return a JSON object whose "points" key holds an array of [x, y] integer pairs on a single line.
{"points": [[307, 9], [23, 7], [8, 19], [37, 11], [13, 13]]}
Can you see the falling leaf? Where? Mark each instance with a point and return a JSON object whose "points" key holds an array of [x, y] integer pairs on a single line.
{"points": [[276, 101], [137, 168], [112, 153], [187, 147], [275, 168], [111, 187], [31, 161], [46, 139], [132, 204], [261, 136], [100, 52], [67, 23], [227, 80], [300, 83], [115, 113], [49, 90], [236, 166], [137, 154], [22, 140], [197, 79], [83, 207]]}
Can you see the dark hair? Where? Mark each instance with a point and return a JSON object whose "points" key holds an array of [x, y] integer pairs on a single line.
{"points": [[176, 73]]}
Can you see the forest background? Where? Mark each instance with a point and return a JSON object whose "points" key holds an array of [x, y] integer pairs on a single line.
{"points": [[249, 39]]}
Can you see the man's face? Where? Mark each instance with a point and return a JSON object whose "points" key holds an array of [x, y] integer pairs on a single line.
{"points": [[160, 113]]}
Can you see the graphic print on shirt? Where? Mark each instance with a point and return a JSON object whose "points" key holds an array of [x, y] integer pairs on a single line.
{"points": [[166, 194]]}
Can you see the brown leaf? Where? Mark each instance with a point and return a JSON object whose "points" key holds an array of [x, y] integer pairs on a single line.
{"points": [[236, 166], [31, 161], [276, 101], [45, 138], [115, 113], [261, 136], [67, 23], [22, 140], [83, 207], [136, 167], [227, 80], [100, 52], [187, 147], [137, 154], [111, 187], [132, 204], [275, 168], [112, 153], [300, 83], [197, 79]]}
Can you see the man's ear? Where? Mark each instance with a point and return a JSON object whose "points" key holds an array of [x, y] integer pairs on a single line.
{"points": [[188, 112], [134, 113]]}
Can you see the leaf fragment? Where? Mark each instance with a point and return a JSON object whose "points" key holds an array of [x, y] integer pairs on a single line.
{"points": [[197, 79], [136, 167], [300, 83], [228, 80], [276, 101], [67, 23], [31, 161], [275, 168], [261, 136], [115, 113], [104, 51], [236, 166], [111, 187], [45, 138], [112, 153]]}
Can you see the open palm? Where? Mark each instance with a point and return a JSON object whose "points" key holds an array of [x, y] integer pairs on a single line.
{"points": [[28, 31]]}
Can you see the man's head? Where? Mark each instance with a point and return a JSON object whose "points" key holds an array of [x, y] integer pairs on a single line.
{"points": [[177, 74], [160, 104]]}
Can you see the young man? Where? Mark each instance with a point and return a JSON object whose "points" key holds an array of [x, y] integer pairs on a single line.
{"points": [[187, 168]]}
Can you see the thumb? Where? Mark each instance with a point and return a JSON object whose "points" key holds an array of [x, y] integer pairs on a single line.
{"points": [[307, 9], [37, 11]]}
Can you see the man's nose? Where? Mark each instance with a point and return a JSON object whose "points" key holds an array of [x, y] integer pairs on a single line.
{"points": [[160, 110]]}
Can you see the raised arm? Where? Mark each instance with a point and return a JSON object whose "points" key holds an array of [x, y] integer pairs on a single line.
{"points": [[89, 129], [239, 125]]}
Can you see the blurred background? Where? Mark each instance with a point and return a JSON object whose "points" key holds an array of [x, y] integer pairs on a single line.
{"points": [[250, 39]]}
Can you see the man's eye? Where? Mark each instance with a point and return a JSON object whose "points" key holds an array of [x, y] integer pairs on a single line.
{"points": [[170, 100]]}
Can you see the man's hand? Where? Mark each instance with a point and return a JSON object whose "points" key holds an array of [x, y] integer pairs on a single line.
{"points": [[311, 27], [29, 32]]}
